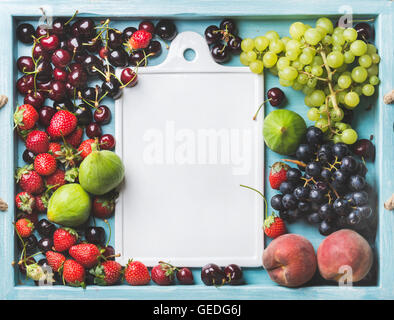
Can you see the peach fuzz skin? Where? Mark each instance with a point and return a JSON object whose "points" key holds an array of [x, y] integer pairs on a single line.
{"points": [[290, 260], [344, 248]]}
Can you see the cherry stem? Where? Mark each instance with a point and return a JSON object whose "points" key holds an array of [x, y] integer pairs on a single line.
{"points": [[110, 232], [265, 200], [258, 110], [73, 16], [300, 163]]}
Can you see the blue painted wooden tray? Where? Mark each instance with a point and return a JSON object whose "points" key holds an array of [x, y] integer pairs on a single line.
{"points": [[254, 18]]}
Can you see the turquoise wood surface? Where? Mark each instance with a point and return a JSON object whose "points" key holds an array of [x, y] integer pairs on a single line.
{"points": [[255, 18]]}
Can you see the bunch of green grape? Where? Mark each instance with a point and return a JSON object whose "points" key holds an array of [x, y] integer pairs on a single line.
{"points": [[331, 66]]}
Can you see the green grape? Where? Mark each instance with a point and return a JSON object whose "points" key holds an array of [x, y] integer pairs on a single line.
{"points": [[285, 40], [282, 63], [243, 57], [335, 59], [312, 82], [297, 64], [359, 74], [368, 90], [297, 86], [350, 34], [274, 70], [348, 57], [341, 126], [358, 48], [286, 83], [307, 90], [302, 78], [324, 109], [352, 99], [317, 71], [256, 66], [337, 48], [317, 98], [375, 58], [335, 76], [322, 32], [305, 58], [338, 39], [269, 59], [308, 102], [374, 80], [344, 81], [308, 69], [293, 45], [365, 61], [341, 96], [338, 30], [260, 43], [337, 138], [247, 44], [251, 56], [312, 36], [326, 24], [309, 50], [313, 114], [322, 124], [276, 46], [317, 60], [342, 68], [327, 40], [293, 54], [272, 35], [336, 114], [349, 136], [297, 30], [371, 49], [358, 90], [373, 70], [289, 73]]}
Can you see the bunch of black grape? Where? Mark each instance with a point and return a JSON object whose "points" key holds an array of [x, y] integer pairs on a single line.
{"points": [[328, 188]]}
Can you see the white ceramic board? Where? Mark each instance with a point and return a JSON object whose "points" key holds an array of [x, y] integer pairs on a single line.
{"points": [[187, 140]]}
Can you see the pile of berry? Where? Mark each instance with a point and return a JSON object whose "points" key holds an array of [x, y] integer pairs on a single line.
{"points": [[328, 188], [223, 40]]}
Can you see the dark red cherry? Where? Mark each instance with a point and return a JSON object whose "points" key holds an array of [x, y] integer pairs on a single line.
{"points": [[22, 266], [118, 58], [220, 53], [91, 94], [364, 148], [112, 88], [129, 77], [107, 142], [136, 58], [38, 52], [77, 78], [36, 99], [61, 58], [115, 39], [127, 33], [45, 115], [212, 275], [235, 45], [102, 115], [229, 25], [95, 235], [84, 28], [57, 91], [28, 156], [45, 70], [80, 56], [234, 275], [103, 52], [154, 48], [166, 30], [25, 84], [60, 74], [109, 253], [45, 244], [50, 42], [107, 70], [74, 45], [42, 31], [44, 87], [93, 45], [90, 60], [185, 276], [65, 104], [25, 64], [25, 33], [93, 130], [76, 66], [364, 31], [83, 114], [212, 34], [276, 96], [60, 27], [71, 91], [147, 26]]}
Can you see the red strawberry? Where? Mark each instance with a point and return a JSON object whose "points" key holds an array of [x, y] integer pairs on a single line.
{"points": [[74, 273], [86, 147], [45, 164], [163, 274], [278, 174], [108, 273], [103, 207], [274, 226], [136, 273], [29, 180], [25, 201], [64, 239], [41, 202], [140, 39], [56, 179], [37, 141], [62, 124], [55, 149], [33, 217], [86, 254], [69, 156], [24, 133], [55, 260], [25, 117], [24, 227], [75, 137]]}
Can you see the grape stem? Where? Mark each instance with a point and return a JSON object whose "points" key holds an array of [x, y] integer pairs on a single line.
{"points": [[333, 96], [313, 76]]}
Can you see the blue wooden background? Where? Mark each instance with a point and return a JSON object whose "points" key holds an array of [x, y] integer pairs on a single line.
{"points": [[254, 18]]}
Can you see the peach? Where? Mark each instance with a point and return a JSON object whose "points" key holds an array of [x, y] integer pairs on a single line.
{"points": [[342, 249], [290, 260]]}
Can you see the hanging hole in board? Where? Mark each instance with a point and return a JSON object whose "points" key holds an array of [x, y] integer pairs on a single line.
{"points": [[189, 54]]}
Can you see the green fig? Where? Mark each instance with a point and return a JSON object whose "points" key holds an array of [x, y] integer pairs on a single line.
{"points": [[283, 131]]}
